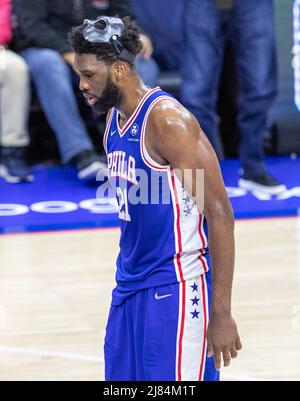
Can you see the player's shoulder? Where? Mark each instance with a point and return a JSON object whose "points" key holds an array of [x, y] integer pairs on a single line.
{"points": [[168, 108], [169, 114]]}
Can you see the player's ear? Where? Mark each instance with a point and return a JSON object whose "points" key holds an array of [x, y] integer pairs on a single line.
{"points": [[119, 69]]}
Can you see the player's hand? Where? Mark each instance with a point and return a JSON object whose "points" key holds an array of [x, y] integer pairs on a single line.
{"points": [[223, 339], [147, 48], [68, 58]]}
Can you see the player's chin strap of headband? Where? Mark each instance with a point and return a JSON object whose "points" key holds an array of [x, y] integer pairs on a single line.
{"points": [[107, 30]]}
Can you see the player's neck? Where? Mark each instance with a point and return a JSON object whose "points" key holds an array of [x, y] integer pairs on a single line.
{"points": [[131, 96]]}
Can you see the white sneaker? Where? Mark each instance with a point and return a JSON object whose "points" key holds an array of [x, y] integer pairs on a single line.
{"points": [[89, 167], [265, 184], [96, 170]]}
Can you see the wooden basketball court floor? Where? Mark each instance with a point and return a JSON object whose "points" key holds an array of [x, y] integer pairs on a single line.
{"points": [[55, 293]]}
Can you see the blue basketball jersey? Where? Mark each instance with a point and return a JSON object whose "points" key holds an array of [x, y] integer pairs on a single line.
{"points": [[163, 240]]}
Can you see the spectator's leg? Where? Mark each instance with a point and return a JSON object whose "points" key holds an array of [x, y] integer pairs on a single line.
{"points": [[254, 40], [148, 70], [14, 100], [14, 104], [53, 82], [202, 60]]}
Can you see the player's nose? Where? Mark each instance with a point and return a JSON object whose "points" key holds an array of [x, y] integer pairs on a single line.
{"points": [[83, 85]]}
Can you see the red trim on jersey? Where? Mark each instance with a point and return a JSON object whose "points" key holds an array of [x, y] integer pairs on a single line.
{"points": [[203, 357], [200, 230], [179, 362], [140, 105], [200, 257], [183, 300], [107, 129], [177, 226]]}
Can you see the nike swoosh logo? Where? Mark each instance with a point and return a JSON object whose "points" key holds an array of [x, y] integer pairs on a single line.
{"points": [[113, 133], [157, 297]]}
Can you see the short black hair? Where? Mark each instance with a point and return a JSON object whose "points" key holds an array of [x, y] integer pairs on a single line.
{"points": [[130, 39]]}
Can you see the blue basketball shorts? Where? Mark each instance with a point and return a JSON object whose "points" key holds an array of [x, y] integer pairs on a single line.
{"points": [[160, 334]]}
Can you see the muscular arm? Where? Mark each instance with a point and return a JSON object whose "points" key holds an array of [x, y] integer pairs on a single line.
{"points": [[175, 137]]}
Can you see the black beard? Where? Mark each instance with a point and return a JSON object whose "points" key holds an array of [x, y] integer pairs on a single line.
{"points": [[110, 98]]}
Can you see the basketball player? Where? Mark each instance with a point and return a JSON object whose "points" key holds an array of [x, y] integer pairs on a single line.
{"points": [[167, 320]]}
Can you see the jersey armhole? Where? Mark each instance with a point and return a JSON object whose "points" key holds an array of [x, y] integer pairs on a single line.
{"points": [[147, 159]]}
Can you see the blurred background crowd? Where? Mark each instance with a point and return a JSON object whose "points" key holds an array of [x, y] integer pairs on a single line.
{"points": [[218, 57]]}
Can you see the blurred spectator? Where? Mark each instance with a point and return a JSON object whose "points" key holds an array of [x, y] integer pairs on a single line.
{"points": [[201, 29], [163, 21], [250, 27], [14, 102], [41, 39]]}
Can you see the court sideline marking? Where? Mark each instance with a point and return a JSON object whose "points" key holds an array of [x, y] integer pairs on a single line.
{"points": [[64, 355], [89, 358]]}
